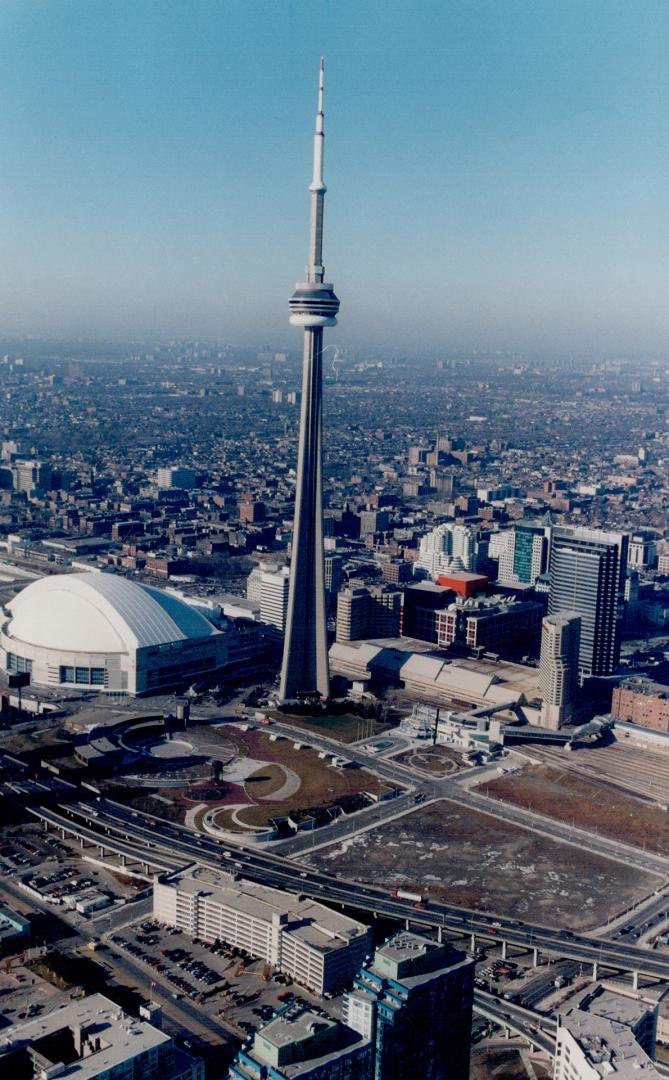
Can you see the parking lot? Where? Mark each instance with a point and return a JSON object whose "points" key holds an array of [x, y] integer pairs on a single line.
{"points": [[44, 864], [225, 982], [23, 994], [24, 849], [57, 871]]}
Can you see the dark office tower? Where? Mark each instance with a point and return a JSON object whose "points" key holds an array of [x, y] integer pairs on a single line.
{"points": [[313, 305], [414, 1003], [530, 552], [587, 576]]}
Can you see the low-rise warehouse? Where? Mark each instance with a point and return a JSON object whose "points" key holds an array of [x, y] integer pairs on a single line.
{"points": [[14, 930], [428, 675]]}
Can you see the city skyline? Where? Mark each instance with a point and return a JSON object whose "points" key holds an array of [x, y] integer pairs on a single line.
{"points": [[334, 683], [505, 191], [460, 780]]}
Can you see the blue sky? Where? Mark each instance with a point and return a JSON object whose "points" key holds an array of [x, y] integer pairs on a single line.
{"points": [[497, 171]]}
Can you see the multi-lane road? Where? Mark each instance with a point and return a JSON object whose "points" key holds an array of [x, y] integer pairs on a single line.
{"points": [[457, 789], [537, 1029], [186, 1017], [163, 845]]}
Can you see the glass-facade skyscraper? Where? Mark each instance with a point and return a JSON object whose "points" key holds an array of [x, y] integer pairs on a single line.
{"points": [[587, 575]]}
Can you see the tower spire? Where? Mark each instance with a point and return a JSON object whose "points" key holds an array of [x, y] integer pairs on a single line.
{"points": [[315, 269]]}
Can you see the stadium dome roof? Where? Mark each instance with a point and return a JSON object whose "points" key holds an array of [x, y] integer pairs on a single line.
{"points": [[100, 613]]}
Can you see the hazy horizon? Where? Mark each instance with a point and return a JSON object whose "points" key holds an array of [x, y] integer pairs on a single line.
{"points": [[496, 172]]}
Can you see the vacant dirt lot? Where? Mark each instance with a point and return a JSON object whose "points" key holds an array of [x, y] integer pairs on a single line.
{"points": [[641, 772], [567, 797], [345, 728], [496, 1064], [465, 857]]}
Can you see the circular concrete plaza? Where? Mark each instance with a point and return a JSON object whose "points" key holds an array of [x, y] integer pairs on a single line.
{"points": [[186, 756], [169, 749]]}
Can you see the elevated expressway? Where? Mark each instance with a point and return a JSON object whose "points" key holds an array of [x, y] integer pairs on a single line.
{"points": [[538, 1029], [162, 846]]}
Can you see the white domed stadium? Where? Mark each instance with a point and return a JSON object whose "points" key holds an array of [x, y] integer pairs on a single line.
{"points": [[102, 632]]}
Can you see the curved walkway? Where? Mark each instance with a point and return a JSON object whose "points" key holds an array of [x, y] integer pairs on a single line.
{"points": [[290, 786], [251, 833], [190, 814]]}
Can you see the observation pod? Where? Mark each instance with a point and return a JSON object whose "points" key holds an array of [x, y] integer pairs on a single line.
{"points": [[313, 304]]}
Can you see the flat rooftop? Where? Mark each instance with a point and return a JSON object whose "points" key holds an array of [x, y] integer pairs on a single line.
{"points": [[88, 717], [285, 1030], [519, 677], [461, 575], [610, 1047], [317, 925], [641, 685], [12, 924], [622, 1008], [120, 1036], [412, 960], [406, 944], [405, 644], [299, 1045], [420, 664]]}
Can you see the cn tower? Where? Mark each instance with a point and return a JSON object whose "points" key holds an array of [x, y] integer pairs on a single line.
{"points": [[313, 305]]}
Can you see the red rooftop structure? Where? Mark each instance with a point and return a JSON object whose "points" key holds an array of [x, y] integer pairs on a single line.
{"points": [[463, 583]]}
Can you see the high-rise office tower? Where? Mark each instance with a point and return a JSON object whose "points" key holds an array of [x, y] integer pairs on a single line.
{"points": [[522, 551], [587, 576], [446, 546], [531, 548], [464, 545], [31, 476], [267, 585], [643, 550], [176, 476], [368, 612], [313, 305], [334, 578], [501, 547], [435, 550], [558, 667]]}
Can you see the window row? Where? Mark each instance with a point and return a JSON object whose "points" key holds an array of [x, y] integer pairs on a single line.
{"points": [[18, 663], [83, 676]]}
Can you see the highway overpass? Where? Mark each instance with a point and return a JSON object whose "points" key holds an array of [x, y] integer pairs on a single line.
{"points": [[163, 845]]}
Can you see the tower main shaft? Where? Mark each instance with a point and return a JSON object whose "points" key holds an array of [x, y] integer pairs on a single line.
{"points": [[313, 305]]}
